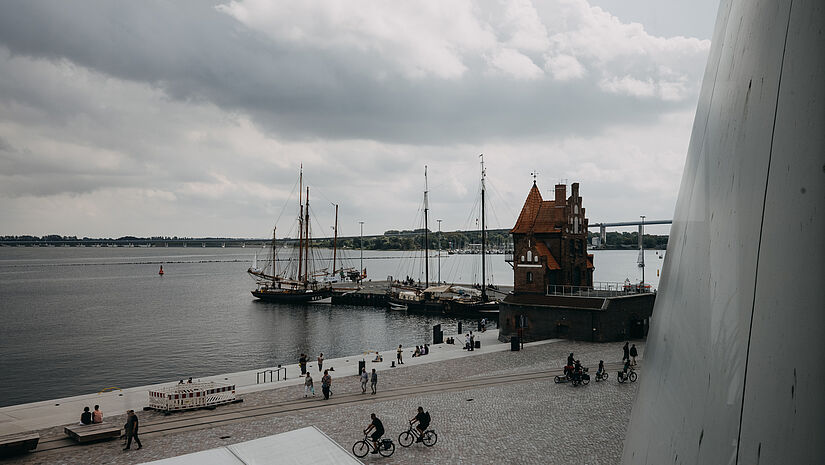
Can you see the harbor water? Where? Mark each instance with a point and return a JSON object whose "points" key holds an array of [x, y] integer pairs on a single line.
{"points": [[80, 320]]}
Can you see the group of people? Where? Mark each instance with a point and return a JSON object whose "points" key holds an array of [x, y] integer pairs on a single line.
{"points": [[422, 419], [89, 417], [469, 341], [304, 359], [326, 385], [422, 350], [371, 378], [629, 355], [130, 428]]}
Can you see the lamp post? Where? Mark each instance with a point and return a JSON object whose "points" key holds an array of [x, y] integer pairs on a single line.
{"points": [[361, 270], [439, 251]]}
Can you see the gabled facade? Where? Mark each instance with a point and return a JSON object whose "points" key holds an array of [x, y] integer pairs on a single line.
{"points": [[550, 243]]}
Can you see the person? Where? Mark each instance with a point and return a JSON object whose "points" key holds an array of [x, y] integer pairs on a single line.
{"points": [[417, 352], [97, 415], [484, 325], [132, 430], [570, 359], [320, 361], [426, 349], [379, 430], [577, 370], [373, 380], [467, 341], [378, 357], [365, 377], [472, 341], [398, 355], [86, 416], [633, 354], [190, 380], [626, 355], [326, 383], [308, 386], [600, 370], [423, 420], [181, 382], [626, 366], [302, 362]]}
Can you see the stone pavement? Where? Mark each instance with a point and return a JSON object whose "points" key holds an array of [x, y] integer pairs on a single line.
{"points": [[44, 414], [526, 422]]}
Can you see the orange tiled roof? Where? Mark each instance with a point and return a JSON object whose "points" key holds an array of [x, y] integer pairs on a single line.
{"points": [[538, 215], [543, 251]]}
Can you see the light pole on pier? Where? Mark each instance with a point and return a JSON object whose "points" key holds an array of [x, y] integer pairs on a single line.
{"points": [[439, 251], [361, 270]]}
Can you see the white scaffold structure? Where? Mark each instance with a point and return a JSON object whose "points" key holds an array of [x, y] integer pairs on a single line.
{"points": [[191, 396]]}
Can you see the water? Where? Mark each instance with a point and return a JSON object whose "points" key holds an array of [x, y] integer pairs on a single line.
{"points": [[79, 320]]}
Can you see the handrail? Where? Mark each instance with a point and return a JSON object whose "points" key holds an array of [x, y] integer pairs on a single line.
{"points": [[272, 372]]}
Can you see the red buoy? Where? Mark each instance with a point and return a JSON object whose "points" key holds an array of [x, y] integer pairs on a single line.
{"points": [[161, 270]]}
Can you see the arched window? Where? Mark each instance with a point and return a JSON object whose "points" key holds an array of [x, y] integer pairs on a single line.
{"points": [[529, 256]]}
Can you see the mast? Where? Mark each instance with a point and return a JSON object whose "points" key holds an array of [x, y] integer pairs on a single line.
{"points": [[306, 248], [300, 220], [335, 240], [426, 234], [274, 271], [483, 237]]}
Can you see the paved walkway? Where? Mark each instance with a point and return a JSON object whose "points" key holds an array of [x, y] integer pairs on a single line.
{"points": [[495, 406], [45, 414]]}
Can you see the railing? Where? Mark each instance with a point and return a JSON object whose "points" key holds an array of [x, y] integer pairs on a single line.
{"points": [[508, 257], [272, 372], [599, 289]]}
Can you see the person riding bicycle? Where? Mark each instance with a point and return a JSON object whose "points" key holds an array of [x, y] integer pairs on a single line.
{"points": [[376, 435], [626, 367], [423, 419], [600, 370], [577, 370], [570, 359]]}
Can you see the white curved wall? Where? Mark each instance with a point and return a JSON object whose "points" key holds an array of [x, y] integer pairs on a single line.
{"points": [[735, 360]]}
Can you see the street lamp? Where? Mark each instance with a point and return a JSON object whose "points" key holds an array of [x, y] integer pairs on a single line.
{"points": [[439, 251], [361, 271]]}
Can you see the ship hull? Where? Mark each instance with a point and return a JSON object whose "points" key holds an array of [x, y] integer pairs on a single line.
{"points": [[288, 296]]}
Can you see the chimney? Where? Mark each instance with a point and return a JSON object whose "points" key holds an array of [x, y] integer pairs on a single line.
{"points": [[561, 195]]}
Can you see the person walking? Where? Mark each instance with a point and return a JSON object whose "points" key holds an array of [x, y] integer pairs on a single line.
{"points": [[365, 377], [398, 353], [633, 354], [326, 383], [308, 386], [467, 341], [302, 362], [373, 380], [132, 430], [626, 354], [472, 341], [320, 362]]}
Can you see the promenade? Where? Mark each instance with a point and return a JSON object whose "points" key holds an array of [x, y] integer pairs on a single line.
{"points": [[488, 406]]}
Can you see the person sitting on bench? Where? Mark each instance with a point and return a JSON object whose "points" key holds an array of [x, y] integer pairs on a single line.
{"points": [[86, 416]]}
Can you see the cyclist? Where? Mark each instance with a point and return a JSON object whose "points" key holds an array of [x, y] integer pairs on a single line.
{"points": [[423, 419], [376, 435], [600, 371]]}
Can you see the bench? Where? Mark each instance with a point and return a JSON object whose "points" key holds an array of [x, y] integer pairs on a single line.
{"points": [[94, 432], [18, 442]]}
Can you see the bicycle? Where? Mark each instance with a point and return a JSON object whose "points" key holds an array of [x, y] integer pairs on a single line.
{"points": [[429, 438], [363, 447], [630, 375]]}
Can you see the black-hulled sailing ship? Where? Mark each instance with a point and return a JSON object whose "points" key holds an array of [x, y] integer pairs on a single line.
{"points": [[295, 282]]}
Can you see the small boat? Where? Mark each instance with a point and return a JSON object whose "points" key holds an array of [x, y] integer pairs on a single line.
{"points": [[397, 307]]}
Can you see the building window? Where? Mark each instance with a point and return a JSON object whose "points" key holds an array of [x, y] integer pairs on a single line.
{"points": [[529, 277], [529, 256]]}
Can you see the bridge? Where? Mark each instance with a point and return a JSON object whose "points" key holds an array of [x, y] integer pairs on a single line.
{"points": [[641, 223]]}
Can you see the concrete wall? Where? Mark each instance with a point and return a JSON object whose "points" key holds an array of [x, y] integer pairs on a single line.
{"points": [[733, 369]]}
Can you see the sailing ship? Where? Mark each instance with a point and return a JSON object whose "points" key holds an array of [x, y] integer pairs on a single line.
{"points": [[295, 283]]}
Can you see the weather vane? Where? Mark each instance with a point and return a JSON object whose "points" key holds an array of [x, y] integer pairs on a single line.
{"points": [[534, 174]]}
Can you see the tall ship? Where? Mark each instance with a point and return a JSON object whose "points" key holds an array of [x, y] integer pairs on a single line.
{"points": [[295, 281]]}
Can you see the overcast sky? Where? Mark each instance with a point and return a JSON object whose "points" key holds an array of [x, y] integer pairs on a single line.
{"points": [[191, 118]]}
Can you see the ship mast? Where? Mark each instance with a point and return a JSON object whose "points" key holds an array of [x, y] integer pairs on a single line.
{"points": [[274, 271], [300, 221], [306, 248], [483, 237], [335, 240], [426, 234]]}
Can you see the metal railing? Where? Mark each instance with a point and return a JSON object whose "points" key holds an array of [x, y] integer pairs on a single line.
{"points": [[272, 372], [599, 289]]}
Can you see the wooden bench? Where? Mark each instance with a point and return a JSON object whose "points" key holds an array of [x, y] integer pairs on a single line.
{"points": [[16, 443], [94, 432]]}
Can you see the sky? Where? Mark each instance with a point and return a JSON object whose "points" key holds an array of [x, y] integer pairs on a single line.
{"points": [[192, 118]]}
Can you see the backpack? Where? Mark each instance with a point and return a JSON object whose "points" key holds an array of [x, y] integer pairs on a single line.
{"points": [[427, 417]]}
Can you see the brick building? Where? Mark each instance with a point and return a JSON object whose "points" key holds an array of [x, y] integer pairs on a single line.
{"points": [[554, 295], [550, 243]]}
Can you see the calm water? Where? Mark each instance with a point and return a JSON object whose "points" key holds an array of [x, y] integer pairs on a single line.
{"points": [[78, 320]]}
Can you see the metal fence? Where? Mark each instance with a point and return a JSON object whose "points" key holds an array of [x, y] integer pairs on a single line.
{"points": [[599, 289]]}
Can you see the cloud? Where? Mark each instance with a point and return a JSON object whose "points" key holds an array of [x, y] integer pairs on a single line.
{"points": [[197, 116]]}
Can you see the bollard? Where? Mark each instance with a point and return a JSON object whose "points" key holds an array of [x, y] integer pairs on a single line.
{"points": [[362, 365], [514, 344], [459, 328]]}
